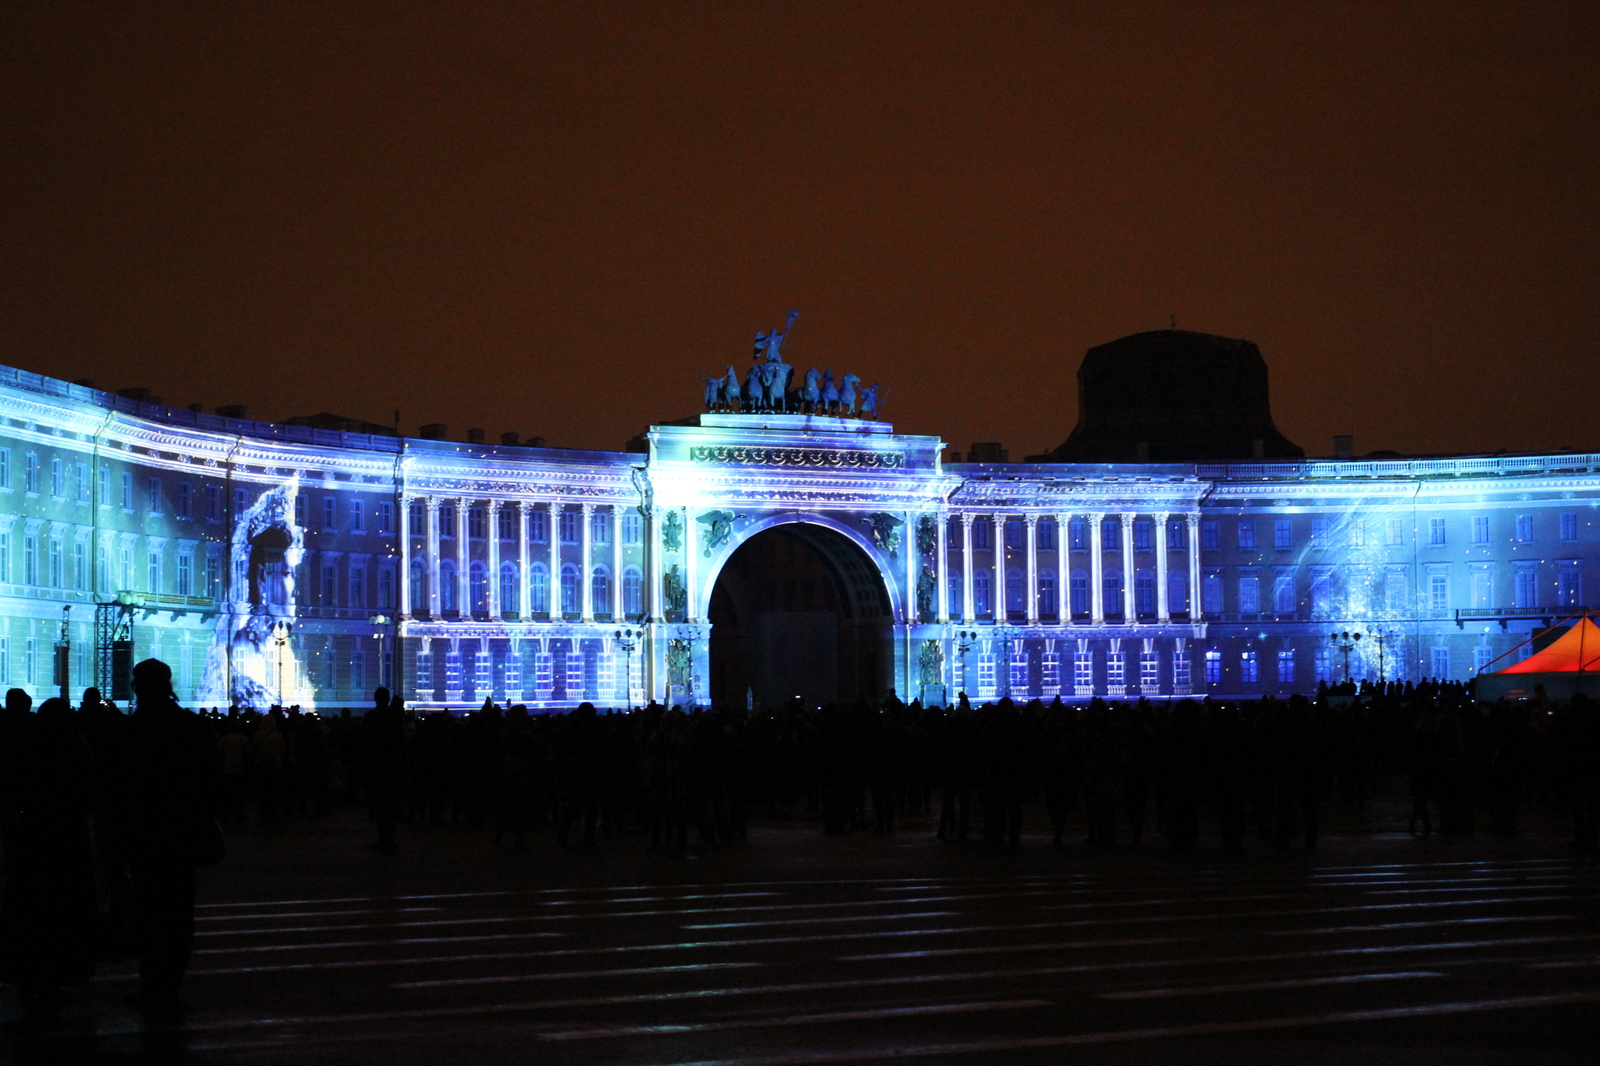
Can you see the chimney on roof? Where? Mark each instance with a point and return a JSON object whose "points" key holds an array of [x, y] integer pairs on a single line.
{"points": [[139, 394], [1343, 446], [197, 407], [433, 431], [535, 442], [988, 451], [511, 437], [474, 436], [233, 410]]}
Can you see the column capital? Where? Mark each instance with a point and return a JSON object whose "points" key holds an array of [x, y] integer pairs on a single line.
{"points": [[968, 517], [1095, 516], [586, 507], [494, 506], [432, 503], [1162, 516], [1031, 519], [1127, 517], [1193, 517], [523, 506]]}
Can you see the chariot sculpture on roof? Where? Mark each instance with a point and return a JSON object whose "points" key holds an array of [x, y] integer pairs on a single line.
{"points": [[766, 388]]}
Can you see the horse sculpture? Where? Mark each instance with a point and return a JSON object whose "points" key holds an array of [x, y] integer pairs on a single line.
{"points": [[730, 390], [830, 394], [713, 394], [811, 393], [847, 394]]}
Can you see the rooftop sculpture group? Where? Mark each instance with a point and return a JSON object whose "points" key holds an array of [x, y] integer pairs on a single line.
{"points": [[767, 390]]}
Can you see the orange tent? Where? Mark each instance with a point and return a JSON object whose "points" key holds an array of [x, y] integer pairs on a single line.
{"points": [[1575, 650]]}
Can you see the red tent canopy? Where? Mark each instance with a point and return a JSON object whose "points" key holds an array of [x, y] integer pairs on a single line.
{"points": [[1576, 650]]}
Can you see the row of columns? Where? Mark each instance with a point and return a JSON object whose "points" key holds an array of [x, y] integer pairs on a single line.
{"points": [[1097, 605]]}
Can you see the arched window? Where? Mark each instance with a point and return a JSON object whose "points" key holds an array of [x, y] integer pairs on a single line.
{"points": [[447, 585], [569, 589], [477, 587], [1047, 593], [1016, 593], [632, 592], [1080, 592], [509, 586], [600, 590], [419, 586], [1111, 591], [538, 589], [982, 605]]}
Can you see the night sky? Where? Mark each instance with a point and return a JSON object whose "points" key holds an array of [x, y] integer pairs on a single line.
{"points": [[558, 220]]}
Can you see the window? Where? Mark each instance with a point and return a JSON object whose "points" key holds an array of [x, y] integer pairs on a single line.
{"points": [[1077, 535], [1395, 594], [57, 563], [30, 473], [448, 589], [1044, 534], [418, 520], [330, 586], [980, 534], [330, 514], [632, 588], [1047, 593], [1213, 667], [105, 487], [1569, 585], [30, 560], [127, 567], [383, 514], [1016, 594], [241, 501], [1144, 593], [1178, 591], [1111, 592], [1438, 592], [213, 503], [1210, 538], [1524, 529], [1149, 671], [1482, 656], [1322, 665], [1358, 533], [1083, 670], [1116, 667], [1435, 531], [153, 571], [1143, 535], [1180, 671], [1286, 666], [356, 516], [569, 527], [185, 574], [538, 589], [447, 520], [154, 487], [185, 500], [1080, 592], [5, 557], [81, 481], [1395, 532], [5, 481], [1319, 532], [1249, 592], [505, 522], [539, 526], [1211, 593], [981, 604], [1569, 527], [1110, 534], [1440, 662], [1480, 529], [477, 587], [1282, 534], [632, 529], [417, 592], [1322, 591], [1177, 534], [1014, 534], [509, 587], [386, 600], [477, 521], [569, 589], [213, 576], [1482, 588], [1248, 673], [1526, 588], [358, 587], [1283, 592], [1247, 534], [600, 590], [58, 478], [5, 659], [600, 529]]}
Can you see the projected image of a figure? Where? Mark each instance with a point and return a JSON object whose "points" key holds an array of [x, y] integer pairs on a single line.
{"points": [[250, 662]]}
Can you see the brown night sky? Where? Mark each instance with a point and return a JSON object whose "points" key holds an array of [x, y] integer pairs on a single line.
{"points": [[559, 219]]}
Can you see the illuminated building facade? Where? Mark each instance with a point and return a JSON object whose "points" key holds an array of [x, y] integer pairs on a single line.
{"points": [[271, 563]]}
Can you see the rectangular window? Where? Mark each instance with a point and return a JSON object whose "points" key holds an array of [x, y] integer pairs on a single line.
{"points": [[477, 522], [357, 517], [241, 501], [30, 473], [1286, 666], [569, 527], [1116, 670], [1249, 592], [1283, 592], [300, 510], [1438, 592], [1014, 534], [154, 487], [127, 490], [632, 529], [213, 503], [1210, 538], [539, 527], [213, 576], [1569, 585], [1083, 672], [1044, 534], [1482, 589], [1247, 534], [1322, 591], [1358, 533], [81, 481], [57, 563], [1322, 665], [5, 471], [1441, 662], [5, 660], [1319, 532], [1524, 529], [600, 529], [1395, 532], [185, 500], [1435, 531], [152, 571], [980, 534], [1077, 535], [30, 560], [1569, 527], [1149, 671], [1180, 671], [1213, 667], [1527, 585], [1482, 656], [30, 660], [5, 556], [447, 519], [385, 588], [505, 522], [383, 514], [1178, 534], [358, 587], [185, 574], [1394, 590], [1480, 529], [80, 566], [330, 586], [1282, 534], [1248, 673], [1211, 593], [1143, 535], [330, 514], [105, 487], [58, 478]]}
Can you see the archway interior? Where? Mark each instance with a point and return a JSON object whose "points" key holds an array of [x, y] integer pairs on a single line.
{"points": [[799, 610]]}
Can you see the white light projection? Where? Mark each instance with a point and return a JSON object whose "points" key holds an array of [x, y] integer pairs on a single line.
{"points": [[250, 661]]}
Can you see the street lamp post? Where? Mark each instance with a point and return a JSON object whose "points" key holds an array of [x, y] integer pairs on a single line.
{"points": [[628, 639], [378, 623], [1345, 642], [965, 638], [280, 637]]}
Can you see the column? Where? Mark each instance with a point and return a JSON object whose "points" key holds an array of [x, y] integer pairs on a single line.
{"points": [[433, 556], [585, 592], [552, 592], [404, 527], [1163, 609], [1063, 592], [1194, 565], [690, 614], [1097, 586], [524, 602], [492, 531], [942, 567], [1031, 525], [912, 556], [966, 567], [655, 566], [1128, 569], [616, 571]]}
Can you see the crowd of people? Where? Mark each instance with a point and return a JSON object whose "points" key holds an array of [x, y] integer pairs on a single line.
{"points": [[106, 815]]}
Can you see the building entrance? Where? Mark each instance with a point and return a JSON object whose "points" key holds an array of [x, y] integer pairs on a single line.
{"points": [[799, 610]]}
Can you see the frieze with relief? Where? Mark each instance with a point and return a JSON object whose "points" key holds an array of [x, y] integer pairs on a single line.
{"points": [[824, 458]]}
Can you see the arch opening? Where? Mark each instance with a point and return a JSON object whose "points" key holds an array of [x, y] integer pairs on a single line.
{"points": [[800, 610]]}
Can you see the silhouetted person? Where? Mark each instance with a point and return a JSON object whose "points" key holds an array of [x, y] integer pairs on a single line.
{"points": [[14, 720], [580, 759], [168, 790], [47, 918], [1583, 749], [383, 735]]}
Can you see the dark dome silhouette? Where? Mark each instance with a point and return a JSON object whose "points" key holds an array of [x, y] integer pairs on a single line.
{"points": [[1173, 396]]}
